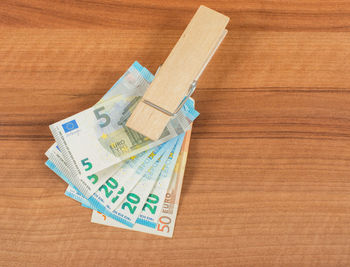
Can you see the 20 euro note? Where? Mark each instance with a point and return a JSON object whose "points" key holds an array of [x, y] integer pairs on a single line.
{"points": [[146, 198], [134, 203], [115, 187], [134, 168], [129, 185], [118, 186], [166, 221], [132, 206], [82, 171]]}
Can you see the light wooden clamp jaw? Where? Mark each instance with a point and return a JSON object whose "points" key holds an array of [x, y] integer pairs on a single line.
{"points": [[177, 78]]}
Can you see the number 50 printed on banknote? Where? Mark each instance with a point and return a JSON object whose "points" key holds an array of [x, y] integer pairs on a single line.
{"points": [[165, 219]]}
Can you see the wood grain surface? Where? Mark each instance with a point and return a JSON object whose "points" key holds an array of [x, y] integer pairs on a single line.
{"points": [[267, 181]]}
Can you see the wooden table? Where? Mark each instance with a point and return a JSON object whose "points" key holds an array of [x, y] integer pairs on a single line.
{"points": [[267, 181]]}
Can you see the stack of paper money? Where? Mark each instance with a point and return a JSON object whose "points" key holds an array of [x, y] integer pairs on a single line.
{"points": [[128, 180]]}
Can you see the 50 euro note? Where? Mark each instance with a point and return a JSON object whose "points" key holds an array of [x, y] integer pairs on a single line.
{"points": [[165, 222], [87, 151]]}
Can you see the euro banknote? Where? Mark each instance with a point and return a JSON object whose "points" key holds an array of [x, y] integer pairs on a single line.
{"points": [[136, 199], [135, 167], [128, 176], [152, 208], [125, 182], [96, 138], [86, 188], [165, 223], [131, 207], [136, 76], [83, 172], [74, 194], [151, 174]]}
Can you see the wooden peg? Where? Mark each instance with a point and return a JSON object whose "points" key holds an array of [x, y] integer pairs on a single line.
{"points": [[183, 66]]}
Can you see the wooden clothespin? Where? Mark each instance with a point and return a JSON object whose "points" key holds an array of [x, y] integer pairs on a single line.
{"points": [[177, 78]]}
